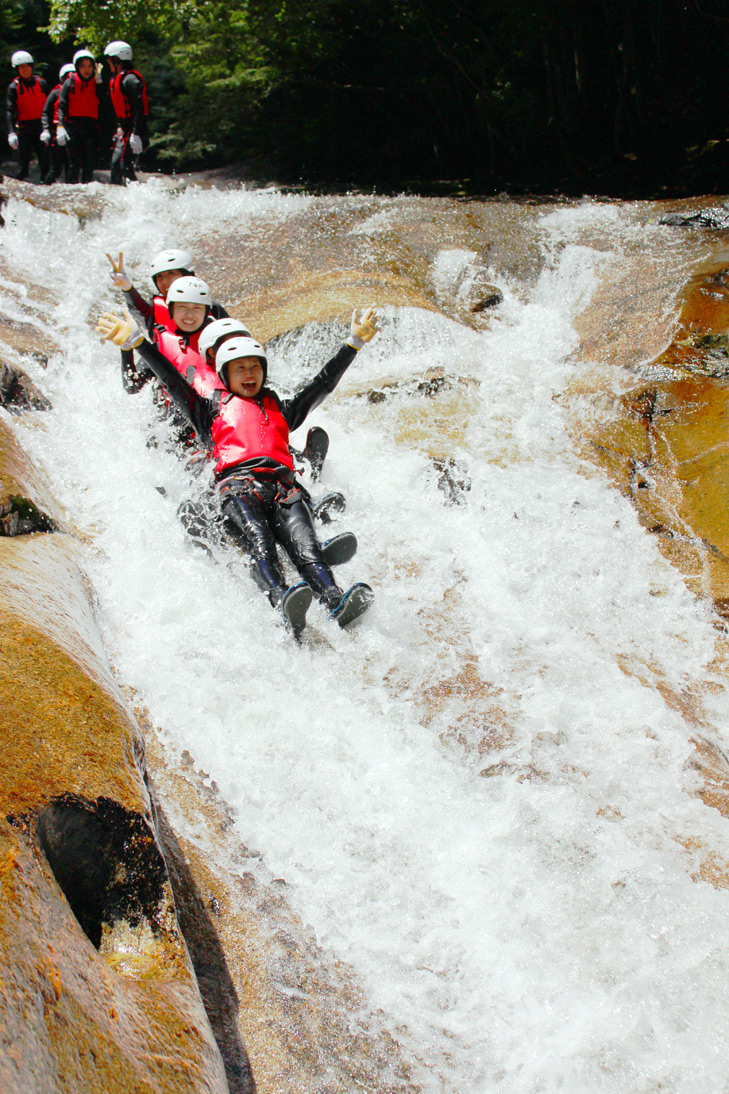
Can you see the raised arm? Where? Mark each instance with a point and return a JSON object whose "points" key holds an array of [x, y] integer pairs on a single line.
{"points": [[121, 281], [124, 332], [362, 330]]}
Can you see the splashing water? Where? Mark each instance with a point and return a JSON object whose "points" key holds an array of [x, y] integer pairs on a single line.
{"points": [[521, 910]]}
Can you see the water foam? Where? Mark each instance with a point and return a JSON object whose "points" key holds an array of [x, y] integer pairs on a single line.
{"points": [[532, 930]]}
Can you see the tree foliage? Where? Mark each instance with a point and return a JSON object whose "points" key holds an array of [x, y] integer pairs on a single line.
{"points": [[612, 95]]}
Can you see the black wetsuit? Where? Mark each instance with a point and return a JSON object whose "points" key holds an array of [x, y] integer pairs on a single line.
{"points": [[123, 160], [58, 155], [83, 132], [260, 496], [27, 132]]}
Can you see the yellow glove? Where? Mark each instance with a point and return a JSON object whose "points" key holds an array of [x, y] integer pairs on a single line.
{"points": [[122, 331], [363, 329]]}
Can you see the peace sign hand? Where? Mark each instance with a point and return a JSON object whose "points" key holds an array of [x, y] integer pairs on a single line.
{"points": [[118, 276]]}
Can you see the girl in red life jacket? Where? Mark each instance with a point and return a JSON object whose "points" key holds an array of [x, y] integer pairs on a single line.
{"points": [[247, 426], [166, 267], [78, 116], [188, 303], [24, 106]]}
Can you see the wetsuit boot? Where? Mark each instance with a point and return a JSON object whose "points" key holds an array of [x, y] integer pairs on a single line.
{"points": [[317, 446], [339, 549], [294, 606], [353, 604], [329, 507]]}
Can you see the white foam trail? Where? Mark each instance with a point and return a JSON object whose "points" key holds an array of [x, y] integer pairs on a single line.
{"points": [[524, 935]]}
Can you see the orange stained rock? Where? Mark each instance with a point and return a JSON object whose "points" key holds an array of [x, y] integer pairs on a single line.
{"points": [[67, 1021], [324, 295], [60, 711], [18, 476]]}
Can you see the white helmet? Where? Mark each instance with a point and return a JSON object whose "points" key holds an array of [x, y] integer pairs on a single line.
{"points": [[239, 347], [65, 70], [188, 290], [217, 330], [80, 54], [121, 51], [21, 57], [173, 259]]}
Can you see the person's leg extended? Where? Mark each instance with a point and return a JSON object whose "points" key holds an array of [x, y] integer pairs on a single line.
{"points": [[294, 529], [248, 514]]}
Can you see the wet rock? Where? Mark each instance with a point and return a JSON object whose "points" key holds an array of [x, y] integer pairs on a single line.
{"points": [[26, 503], [434, 381], [27, 338], [453, 480], [714, 216], [315, 265], [20, 517], [667, 441], [493, 296], [99, 994], [18, 392]]}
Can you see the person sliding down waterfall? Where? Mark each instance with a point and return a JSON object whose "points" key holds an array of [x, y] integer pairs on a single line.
{"points": [[317, 439], [247, 425], [165, 268]]}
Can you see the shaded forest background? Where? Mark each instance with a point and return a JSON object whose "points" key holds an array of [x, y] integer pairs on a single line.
{"points": [[618, 97]]}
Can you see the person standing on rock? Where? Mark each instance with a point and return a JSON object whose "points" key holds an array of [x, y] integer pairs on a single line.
{"points": [[59, 155], [129, 99], [24, 105], [78, 116]]}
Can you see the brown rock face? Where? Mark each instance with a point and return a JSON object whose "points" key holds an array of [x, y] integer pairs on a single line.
{"points": [[98, 990], [661, 423]]}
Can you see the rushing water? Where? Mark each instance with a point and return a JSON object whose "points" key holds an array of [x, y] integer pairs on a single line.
{"points": [[534, 928]]}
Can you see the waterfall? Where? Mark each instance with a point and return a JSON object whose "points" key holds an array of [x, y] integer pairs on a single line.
{"points": [[469, 800]]}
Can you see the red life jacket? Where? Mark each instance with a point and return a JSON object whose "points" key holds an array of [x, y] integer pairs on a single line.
{"points": [[248, 428], [162, 315], [83, 98], [30, 100], [179, 353], [205, 380], [57, 89], [119, 100]]}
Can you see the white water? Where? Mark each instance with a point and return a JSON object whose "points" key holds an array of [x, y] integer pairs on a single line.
{"points": [[520, 934]]}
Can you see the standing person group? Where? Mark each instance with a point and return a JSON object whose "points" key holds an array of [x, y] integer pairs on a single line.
{"points": [[61, 128]]}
